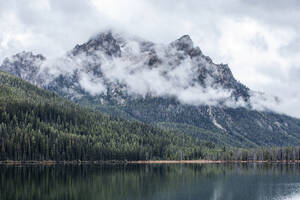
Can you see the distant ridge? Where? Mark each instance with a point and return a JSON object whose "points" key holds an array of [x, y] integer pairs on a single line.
{"points": [[173, 86]]}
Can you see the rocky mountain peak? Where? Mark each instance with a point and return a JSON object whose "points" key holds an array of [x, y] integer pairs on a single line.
{"points": [[184, 43], [104, 41], [25, 60], [25, 65], [133, 57], [25, 56]]}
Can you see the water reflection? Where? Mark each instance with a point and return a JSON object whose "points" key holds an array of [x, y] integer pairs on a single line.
{"points": [[151, 182], [294, 196]]}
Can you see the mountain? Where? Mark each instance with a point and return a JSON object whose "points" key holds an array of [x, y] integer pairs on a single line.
{"points": [[36, 124], [173, 86]]}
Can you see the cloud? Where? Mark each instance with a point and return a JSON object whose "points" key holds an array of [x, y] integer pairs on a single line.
{"points": [[91, 84], [49, 27], [258, 39], [167, 79], [173, 76]]}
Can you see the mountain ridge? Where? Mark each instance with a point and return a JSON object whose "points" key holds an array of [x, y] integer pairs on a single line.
{"points": [[173, 85]]}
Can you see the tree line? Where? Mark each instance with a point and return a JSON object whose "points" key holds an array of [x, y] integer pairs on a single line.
{"points": [[288, 154], [39, 125]]}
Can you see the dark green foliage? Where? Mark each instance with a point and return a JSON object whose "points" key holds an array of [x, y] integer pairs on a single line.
{"points": [[242, 127], [203, 134], [39, 125], [288, 154]]}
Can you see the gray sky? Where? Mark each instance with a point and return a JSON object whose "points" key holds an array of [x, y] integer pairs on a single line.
{"points": [[259, 39]]}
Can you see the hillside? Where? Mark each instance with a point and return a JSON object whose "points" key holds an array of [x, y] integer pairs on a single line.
{"points": [[39, 125], [173, 86]]}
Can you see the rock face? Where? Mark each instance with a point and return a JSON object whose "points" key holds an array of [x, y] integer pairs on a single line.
{"points": [[25, 65], [104, 42], [173, 86]]}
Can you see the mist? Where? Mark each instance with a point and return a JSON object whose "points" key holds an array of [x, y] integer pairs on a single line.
{"points": [[131, 73]]}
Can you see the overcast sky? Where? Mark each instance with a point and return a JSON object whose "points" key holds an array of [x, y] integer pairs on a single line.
{"points": [[259, 39]]}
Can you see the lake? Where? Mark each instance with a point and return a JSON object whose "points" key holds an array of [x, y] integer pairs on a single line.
{"points": [[151, 182]]}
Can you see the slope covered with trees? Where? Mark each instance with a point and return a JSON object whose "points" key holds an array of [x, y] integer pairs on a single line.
{"points": [[161, 85], [39, 125]]}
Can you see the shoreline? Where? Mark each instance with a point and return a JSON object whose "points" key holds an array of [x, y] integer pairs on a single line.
{"points": [[209, 161], [110, 162], [54, 162]]}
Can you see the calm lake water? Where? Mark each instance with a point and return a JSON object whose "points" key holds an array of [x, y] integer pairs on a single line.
{"points": [[151, 182]]}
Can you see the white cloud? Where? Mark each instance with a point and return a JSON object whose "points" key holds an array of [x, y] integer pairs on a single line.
{"points": [[91, 84], [258, 40], [172, 77]]}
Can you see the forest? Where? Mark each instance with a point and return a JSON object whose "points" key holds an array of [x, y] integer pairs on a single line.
{"points": [[39, 125], [272, 154]]}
